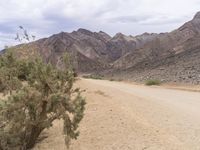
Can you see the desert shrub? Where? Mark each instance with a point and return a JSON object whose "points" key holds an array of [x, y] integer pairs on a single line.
{"points": [[36, 94], [8, 74], [111, 79], [75, 74], [93, 76], [152, 82]]}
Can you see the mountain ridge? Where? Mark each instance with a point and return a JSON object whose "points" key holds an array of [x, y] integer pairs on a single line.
{"points": [[120, 54]]}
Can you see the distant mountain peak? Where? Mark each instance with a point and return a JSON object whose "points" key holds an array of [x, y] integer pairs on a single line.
{"points": [[118, 35], [84, 31], [101, 32], [197, 15], [105, 35], [146, 33]]}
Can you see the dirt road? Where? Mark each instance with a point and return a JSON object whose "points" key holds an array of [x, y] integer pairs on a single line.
{"points": [[122, 116]]}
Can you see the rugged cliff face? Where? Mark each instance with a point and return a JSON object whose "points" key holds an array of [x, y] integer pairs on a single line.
{"points": [[173, 56], [163, 45]]}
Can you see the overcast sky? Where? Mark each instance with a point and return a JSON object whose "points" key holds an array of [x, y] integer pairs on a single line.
{"points": [[46, 17]]}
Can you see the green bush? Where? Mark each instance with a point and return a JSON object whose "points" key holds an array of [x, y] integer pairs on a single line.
{"points": [[93, 76], [152, 82], [36, 94]]}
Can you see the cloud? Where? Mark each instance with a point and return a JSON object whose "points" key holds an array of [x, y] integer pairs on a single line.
{"points": [[129, 19], [46, 17], [148, 19]]}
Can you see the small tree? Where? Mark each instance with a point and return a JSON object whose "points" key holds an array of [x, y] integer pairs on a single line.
{"points": [[36, 94]]}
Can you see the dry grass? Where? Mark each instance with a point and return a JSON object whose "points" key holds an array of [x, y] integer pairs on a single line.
{"points": [[101, 93], [152, 82]]}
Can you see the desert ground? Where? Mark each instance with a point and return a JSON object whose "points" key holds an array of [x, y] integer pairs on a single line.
{"points": [[124, 116]]}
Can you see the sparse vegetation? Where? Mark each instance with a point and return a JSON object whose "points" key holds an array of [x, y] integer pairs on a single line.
{"points": [[101, 93], [111, 79], [119, 79], [116, 79], [36, 94], [152, 82], [93, 76]]}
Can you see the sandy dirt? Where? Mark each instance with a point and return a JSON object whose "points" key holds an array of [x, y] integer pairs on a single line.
{"points": [[122, 116]]}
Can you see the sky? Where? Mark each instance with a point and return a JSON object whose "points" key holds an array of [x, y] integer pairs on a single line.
{"points": [[43, 18]]}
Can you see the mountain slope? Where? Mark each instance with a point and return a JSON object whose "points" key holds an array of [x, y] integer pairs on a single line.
{"points": [[161, 56], [164, 45], [173, 56], [90, 51]]}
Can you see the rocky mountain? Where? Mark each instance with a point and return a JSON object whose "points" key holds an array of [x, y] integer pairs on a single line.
{"points": [[90, 51], [173, 56], [164, 45]]}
